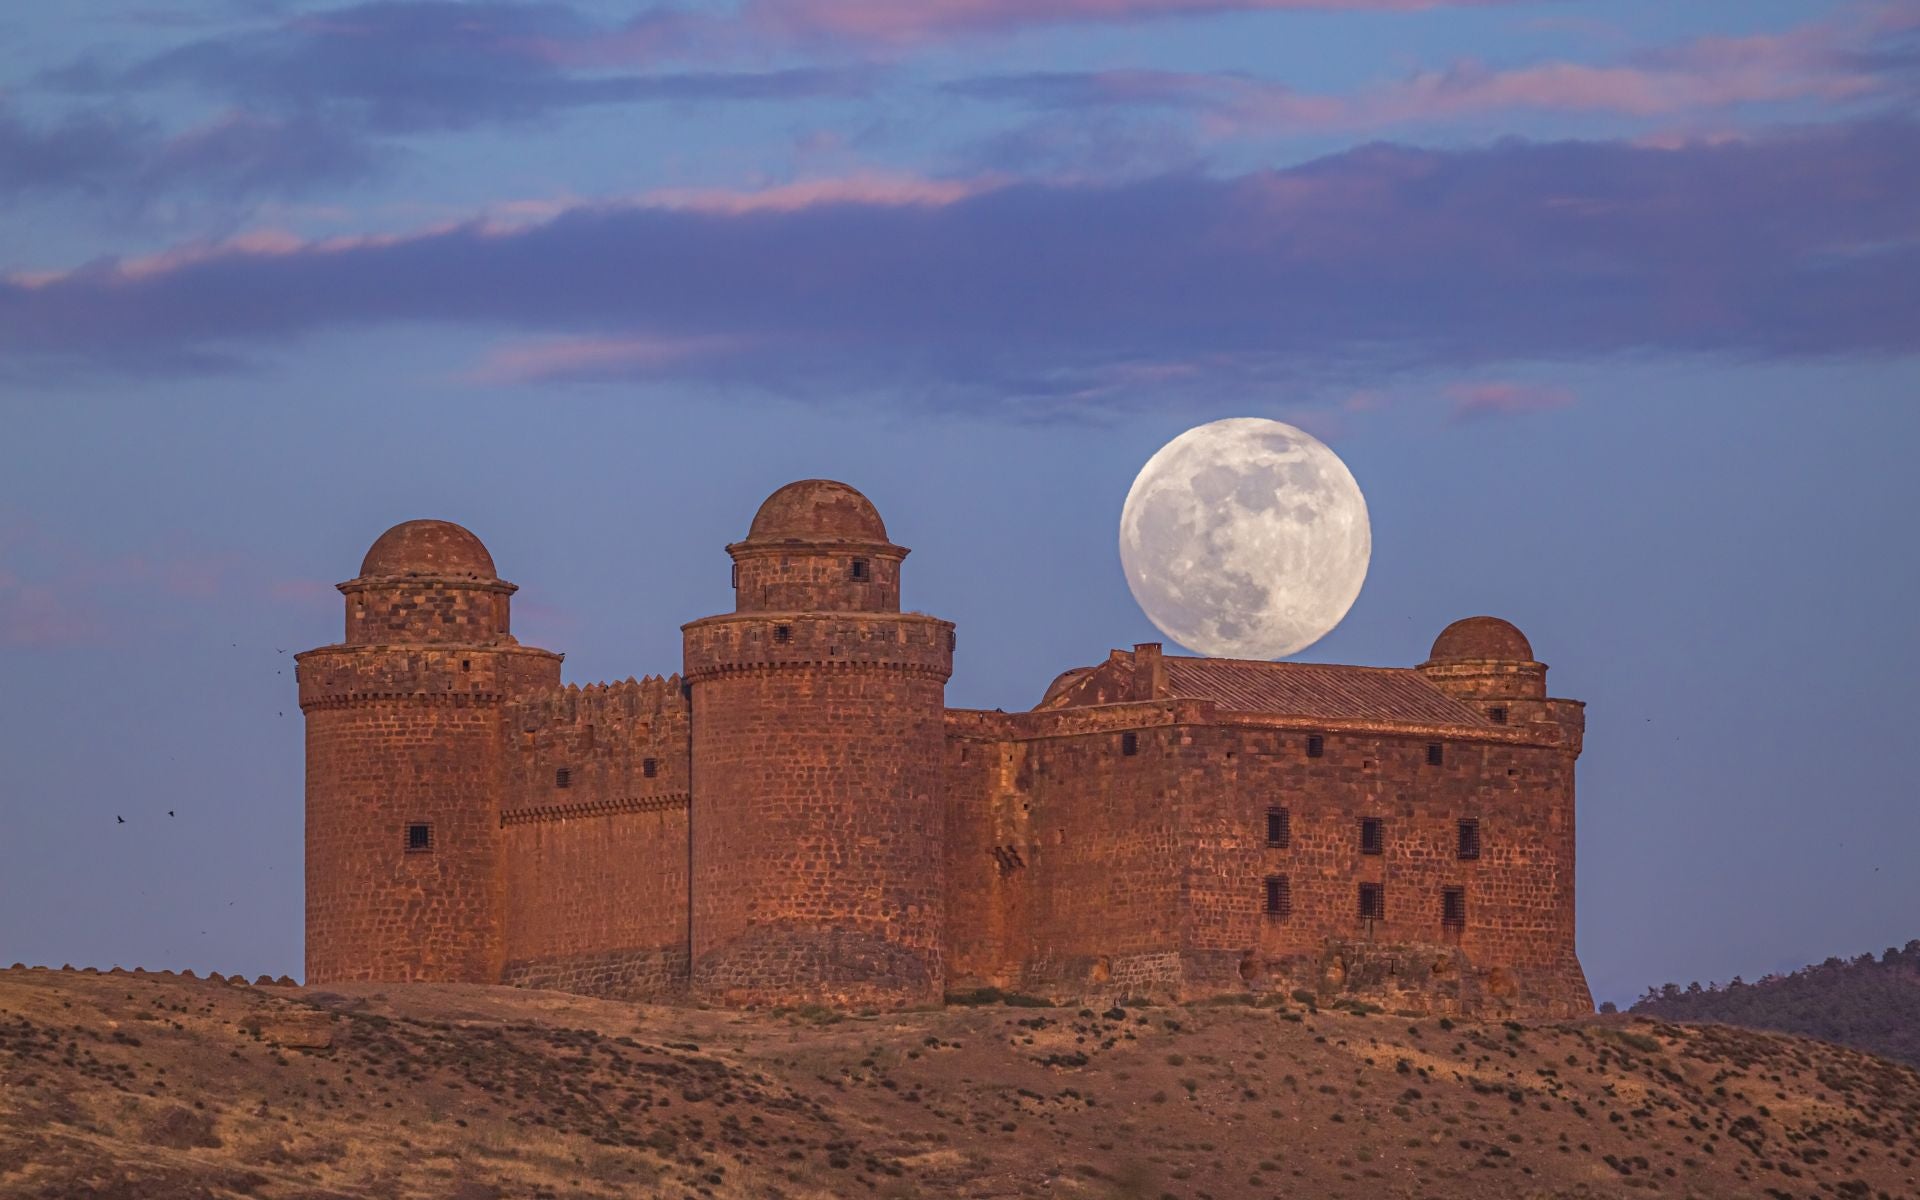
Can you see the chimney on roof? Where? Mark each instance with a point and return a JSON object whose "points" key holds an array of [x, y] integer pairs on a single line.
{"points": [[1149, 671]]}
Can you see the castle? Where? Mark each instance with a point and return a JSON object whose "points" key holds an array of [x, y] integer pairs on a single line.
{"points": [[798, 817]]}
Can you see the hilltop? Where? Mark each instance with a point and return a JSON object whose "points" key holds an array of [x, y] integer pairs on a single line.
{"points": [[1872, 1004], [125, 1086]]}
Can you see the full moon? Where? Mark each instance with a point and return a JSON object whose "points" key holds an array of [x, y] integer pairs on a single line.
{"points": [[1245, 538]]}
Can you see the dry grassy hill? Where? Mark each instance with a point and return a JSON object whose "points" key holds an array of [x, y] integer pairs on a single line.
{"points": [[124, 1086]]}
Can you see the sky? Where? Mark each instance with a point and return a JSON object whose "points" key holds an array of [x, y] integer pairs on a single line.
{"points": [[1613, 309]]}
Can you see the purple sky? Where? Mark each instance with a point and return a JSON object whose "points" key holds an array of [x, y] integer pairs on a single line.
{"points": [[1613, 308]]}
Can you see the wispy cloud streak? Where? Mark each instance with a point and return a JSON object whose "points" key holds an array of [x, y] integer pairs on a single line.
{"points": [[1801, 244]]}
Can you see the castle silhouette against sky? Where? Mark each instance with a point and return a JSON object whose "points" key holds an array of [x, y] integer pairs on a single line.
{"points": [[797, 817]]}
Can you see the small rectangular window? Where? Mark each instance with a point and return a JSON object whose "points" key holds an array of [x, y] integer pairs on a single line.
{"points": [[1373, 902], [783, 633], [1436, 754], [1279, 896], [1373, 835], [1129, 743], [650, 767], [419, 838], [1497, 714], [1316, 745], [859, 569], [466, 664], [1279, 827], [563, 778], [1469, 839], [1453, 908], [735, 579]]}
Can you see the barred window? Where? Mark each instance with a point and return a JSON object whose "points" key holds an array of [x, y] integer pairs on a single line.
{"points": [[1436, 754], [419, 838], [1279, 827], [858, 570], [783, 633], [1453, 908], [1279, 896], [1469, 839], [1497, 714], [1373, 902], [1316, 745], [1129, 743], [649, 767], [563, 778], [1373, 835]]}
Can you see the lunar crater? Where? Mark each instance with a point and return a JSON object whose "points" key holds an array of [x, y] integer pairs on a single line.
{"points": [[1245, 538]]}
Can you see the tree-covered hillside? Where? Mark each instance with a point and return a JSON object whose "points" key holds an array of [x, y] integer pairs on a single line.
{"points": [[1868, 1003]]}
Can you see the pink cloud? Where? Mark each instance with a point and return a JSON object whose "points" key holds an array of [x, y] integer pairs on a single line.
{"points": [[303, 591], [876, 189], [36, 615], [593, 357], [1504, 398], [903, 21]]}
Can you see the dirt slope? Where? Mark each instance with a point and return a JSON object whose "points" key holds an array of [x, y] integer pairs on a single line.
{"points": [[150, 1086]]}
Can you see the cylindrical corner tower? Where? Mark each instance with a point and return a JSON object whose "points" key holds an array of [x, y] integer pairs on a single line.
{"points": [[818, 726], [405, 879]]}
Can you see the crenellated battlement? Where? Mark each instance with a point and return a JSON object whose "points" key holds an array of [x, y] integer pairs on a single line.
{"points": [[650, 697]]}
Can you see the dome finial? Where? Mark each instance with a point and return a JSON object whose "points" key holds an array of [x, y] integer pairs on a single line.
{"points": [[817, 510], [1481, 639], [428, 548]]}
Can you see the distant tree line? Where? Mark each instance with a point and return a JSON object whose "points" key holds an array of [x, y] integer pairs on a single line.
{"points": [[1867, 1003]]}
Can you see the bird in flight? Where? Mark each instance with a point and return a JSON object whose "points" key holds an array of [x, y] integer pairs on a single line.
{"points": [[169, 812], [120, 819]]}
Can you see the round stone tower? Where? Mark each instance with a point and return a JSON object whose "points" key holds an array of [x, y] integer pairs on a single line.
{"points": [[818, 727], [405, 877], [1488, 663]]}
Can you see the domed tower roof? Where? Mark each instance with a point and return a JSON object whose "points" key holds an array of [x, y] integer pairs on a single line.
{"points": [[817, 510], [439, 549], [1481, 639]]}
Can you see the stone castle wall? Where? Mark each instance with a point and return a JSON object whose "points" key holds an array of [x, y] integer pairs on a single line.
{"points": [[1078, 868], [400, 738], [802, 820], [594, 789], [816, 818]]}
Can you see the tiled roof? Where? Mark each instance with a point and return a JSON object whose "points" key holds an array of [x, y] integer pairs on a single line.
{"points": [[1315, 690]]}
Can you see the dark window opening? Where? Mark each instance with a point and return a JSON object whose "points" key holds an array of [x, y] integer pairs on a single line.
{"points": [[419, 838], [1129, 743], [1279, 827], [1470, 839], [1279, 896], [466, 664], [1497, 714], [650, 767], [1436, 754], [859, 569], [783, 633], [1316, 745], [1373, 835], [1373, 902], [735, 578], [1453, 908], [563, 778]]}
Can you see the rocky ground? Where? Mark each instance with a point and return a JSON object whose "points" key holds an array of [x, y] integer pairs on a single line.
{"points": [[122, 1086]]}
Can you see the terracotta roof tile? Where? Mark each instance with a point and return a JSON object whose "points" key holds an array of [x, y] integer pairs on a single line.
{"points": [[1316, 690]]}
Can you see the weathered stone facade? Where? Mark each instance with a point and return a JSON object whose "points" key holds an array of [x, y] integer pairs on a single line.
{"points": [[798, 817]]}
